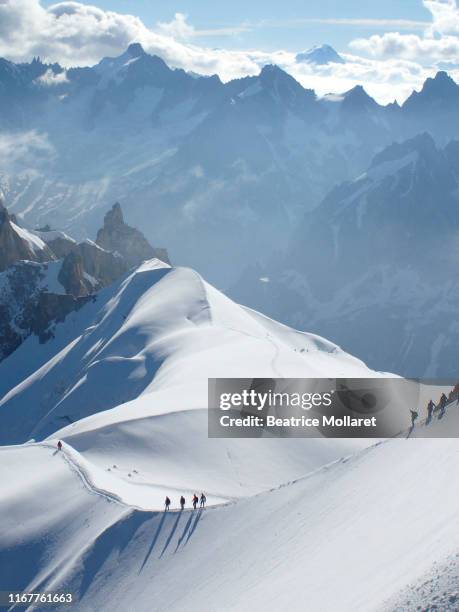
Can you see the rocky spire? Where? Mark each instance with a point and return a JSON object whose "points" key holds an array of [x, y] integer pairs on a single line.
{"points": [[129, 242], [114, 218]]}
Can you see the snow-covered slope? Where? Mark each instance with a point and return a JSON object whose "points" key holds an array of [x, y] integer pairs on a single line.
{"points": [[159, 329], [124, 382], [349, 536]]}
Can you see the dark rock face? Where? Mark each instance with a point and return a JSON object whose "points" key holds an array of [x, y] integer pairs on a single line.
{"points": [[117, 236], [88, 268], [14, 247], [45, 275], [52, 308], [72, 276], [26, 306]]}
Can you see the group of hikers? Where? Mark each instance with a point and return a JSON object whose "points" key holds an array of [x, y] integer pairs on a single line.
{"points": [[202, 502], [440, 407]]}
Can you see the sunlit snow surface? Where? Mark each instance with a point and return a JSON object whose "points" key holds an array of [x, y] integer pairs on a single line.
{"points": [[290, 523]]}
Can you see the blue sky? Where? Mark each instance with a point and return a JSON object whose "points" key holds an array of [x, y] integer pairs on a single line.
{"points": [[272, 24]]}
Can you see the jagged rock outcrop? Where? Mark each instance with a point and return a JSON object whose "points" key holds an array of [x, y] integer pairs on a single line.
{"points": [[89, 267], [128, 241], [50, 309], [45, 274], [31, 302], [18, 244], [72, 276]]}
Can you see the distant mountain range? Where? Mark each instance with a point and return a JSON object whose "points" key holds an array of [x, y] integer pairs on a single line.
{"points": [[230, 176], [204, 166], [375, 265]]}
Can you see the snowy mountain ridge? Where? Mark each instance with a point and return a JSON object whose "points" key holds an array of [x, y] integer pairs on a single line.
{"points": [[141, 327]]}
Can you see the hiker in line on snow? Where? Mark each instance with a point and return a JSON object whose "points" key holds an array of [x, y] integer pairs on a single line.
{"points": [[59, 445], [442, 405], [182, 502], [430, 409], [167, 503], [202, 500], [195, 501], [414, 416]]}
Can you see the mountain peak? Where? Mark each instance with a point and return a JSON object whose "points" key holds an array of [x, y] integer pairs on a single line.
{"points": [[320, 55], [271, 73], [357, 91], [114, 217], [438, 89], [443, 76], [441, 83], [357, 98], [135, 50], [117, 236], [271, 70]]}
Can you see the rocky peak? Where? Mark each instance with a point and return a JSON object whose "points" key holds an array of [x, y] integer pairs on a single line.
{"points": [[357, 99], [135, 50], [114, 218], [117, 236], [17, 244]]}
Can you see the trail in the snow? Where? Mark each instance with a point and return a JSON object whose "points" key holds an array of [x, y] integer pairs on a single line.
{"points": [[277, 372], [84, 477], [88, 483]]}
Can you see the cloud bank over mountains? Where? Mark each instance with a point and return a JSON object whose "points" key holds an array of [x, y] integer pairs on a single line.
{"points": [[388, 65]]}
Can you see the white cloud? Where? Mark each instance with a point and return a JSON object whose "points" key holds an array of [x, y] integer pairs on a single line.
{"points": [[79, 34], [445, 16], [178, 27], [50, 78], [402, 24], [384, 80], [439, 42]]}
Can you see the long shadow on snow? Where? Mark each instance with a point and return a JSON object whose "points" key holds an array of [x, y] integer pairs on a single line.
{"points": [[114, 539], [195, 524], [171, 535], [182, 537], [153, 542]]}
